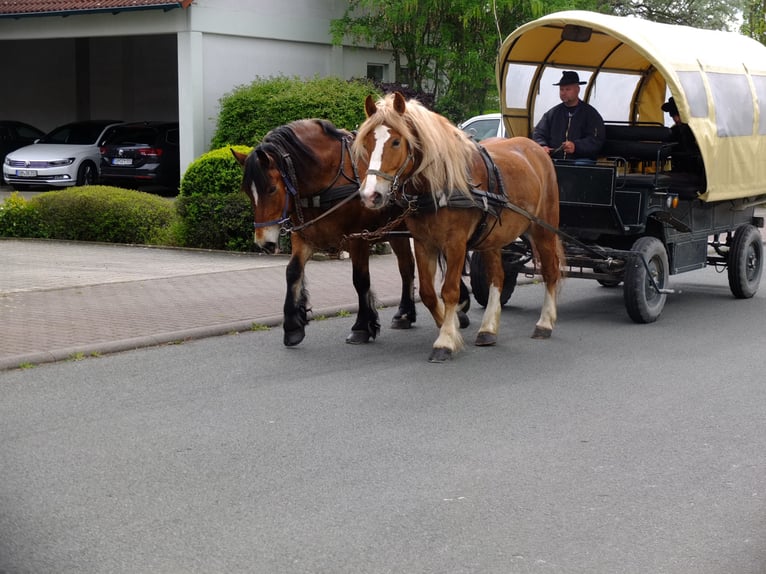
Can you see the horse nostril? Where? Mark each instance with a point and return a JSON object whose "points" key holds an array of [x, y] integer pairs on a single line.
{"points": [[377, 198]]}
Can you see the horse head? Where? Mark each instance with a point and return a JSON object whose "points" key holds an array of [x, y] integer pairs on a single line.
{"points": [[403, 141], [383, 144], [262, 183]]}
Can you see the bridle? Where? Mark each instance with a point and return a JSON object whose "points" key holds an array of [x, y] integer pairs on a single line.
{"points": [[287, 173]]}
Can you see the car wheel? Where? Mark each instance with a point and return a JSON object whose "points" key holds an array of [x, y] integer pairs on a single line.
{"points": [[86, 175]]}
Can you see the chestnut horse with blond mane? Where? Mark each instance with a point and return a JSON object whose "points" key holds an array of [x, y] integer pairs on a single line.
{"points": [[460, 195]]}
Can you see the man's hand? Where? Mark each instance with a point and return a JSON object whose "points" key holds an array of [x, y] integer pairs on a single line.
{"points": [[568, 147]]}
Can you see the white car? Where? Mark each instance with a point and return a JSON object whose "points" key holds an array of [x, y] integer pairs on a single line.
{"points": [[484, 126], [67, 156]]}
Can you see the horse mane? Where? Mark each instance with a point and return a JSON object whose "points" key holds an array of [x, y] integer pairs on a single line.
{"points": [[283, 141], [443, 152]]}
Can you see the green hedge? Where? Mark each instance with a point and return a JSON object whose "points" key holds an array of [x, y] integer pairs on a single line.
{"points": [[249, 112], [214, 213], [91, 213]]}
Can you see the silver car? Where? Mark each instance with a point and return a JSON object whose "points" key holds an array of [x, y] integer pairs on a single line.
{"points": [[484, 126], [67, 156]]}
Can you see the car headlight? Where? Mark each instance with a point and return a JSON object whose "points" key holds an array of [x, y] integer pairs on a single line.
{"points": [[61, 162]]}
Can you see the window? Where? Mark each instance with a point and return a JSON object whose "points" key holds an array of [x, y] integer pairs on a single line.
{"points": [[376, 71], [733, 103]]}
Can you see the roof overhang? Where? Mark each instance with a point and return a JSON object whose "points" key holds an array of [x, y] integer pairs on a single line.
{"points": [[63, 8]]}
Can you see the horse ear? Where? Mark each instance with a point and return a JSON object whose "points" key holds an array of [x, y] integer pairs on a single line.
{"points": [[240, 157], [399, 103], [263, 158], [369, 106]]}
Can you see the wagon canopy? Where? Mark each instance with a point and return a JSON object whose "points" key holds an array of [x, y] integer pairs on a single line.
{"points": [[718, 81]]}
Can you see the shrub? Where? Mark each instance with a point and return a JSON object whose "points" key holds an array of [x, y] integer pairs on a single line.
{"points": [[91, 213], [19, 219], [214, 213], [249, 112]]}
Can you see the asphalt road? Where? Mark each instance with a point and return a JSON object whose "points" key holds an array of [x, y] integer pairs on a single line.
{"points": [[611, 448]]}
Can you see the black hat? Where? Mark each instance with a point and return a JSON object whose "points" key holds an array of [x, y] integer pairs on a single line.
{"points": [[670, 107], [569, 78]]}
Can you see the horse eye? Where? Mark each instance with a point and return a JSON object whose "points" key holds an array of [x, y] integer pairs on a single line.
{"points": [[396, 143], [272, 190]]}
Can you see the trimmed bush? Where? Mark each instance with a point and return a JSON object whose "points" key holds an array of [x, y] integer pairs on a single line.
{"points": [[249, 112], [91, 213], [214, 213], [19, 219]]}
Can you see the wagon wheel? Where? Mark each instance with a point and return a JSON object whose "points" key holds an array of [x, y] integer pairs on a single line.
{"points": [[480, 285], [643, 303], [745, 261]]}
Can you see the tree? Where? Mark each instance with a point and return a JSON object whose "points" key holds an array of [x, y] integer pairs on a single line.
{"points": [[708, 14], [754, 24], [446, 48]]}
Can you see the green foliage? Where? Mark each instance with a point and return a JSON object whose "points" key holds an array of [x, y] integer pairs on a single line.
{"points": [[90, 213], [754, 24], [19, 219], [249, 112], [213, 173], [214, 213]]}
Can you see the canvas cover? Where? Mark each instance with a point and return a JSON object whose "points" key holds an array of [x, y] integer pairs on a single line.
{"points": [[718, 81]]}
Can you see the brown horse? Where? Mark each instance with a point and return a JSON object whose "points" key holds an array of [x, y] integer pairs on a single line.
{"points": [[302, 177], [460, 196]]}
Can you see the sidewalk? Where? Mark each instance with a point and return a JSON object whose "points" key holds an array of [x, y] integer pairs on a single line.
{"points": [[60, 300]]}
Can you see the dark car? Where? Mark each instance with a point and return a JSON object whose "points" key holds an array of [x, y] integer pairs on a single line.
{"points": [[141, 154], [15, 135]]}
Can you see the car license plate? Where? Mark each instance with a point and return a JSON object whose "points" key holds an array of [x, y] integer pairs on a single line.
{"points": [[26, 172], [122, 161]]}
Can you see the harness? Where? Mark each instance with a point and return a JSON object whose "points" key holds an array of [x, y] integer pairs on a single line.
{"points": [[331, 197], [491, 201]]}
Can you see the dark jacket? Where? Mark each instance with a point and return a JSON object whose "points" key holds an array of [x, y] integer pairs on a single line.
{"points": [[582, 125], [685, 157]]}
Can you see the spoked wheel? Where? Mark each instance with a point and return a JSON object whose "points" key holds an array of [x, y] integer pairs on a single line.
{"points": [[480, 285], [642, 301], [745, 261]]}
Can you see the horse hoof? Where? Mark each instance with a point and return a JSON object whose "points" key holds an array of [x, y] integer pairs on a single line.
{"points": [[542, 333], [358, 338], [440, 355], [485, 339], [463, 319], [402, 322], [292, 338]]}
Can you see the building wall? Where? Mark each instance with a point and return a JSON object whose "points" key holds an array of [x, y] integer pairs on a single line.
{"points": [[151, 64]]}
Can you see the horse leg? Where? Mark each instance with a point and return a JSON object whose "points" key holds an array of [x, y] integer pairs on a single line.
{"points": [[406, 315], [450, 340], [426, 259], [490, 321], [551, 255], [296, 300], [464, 305], [367, 324]]}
